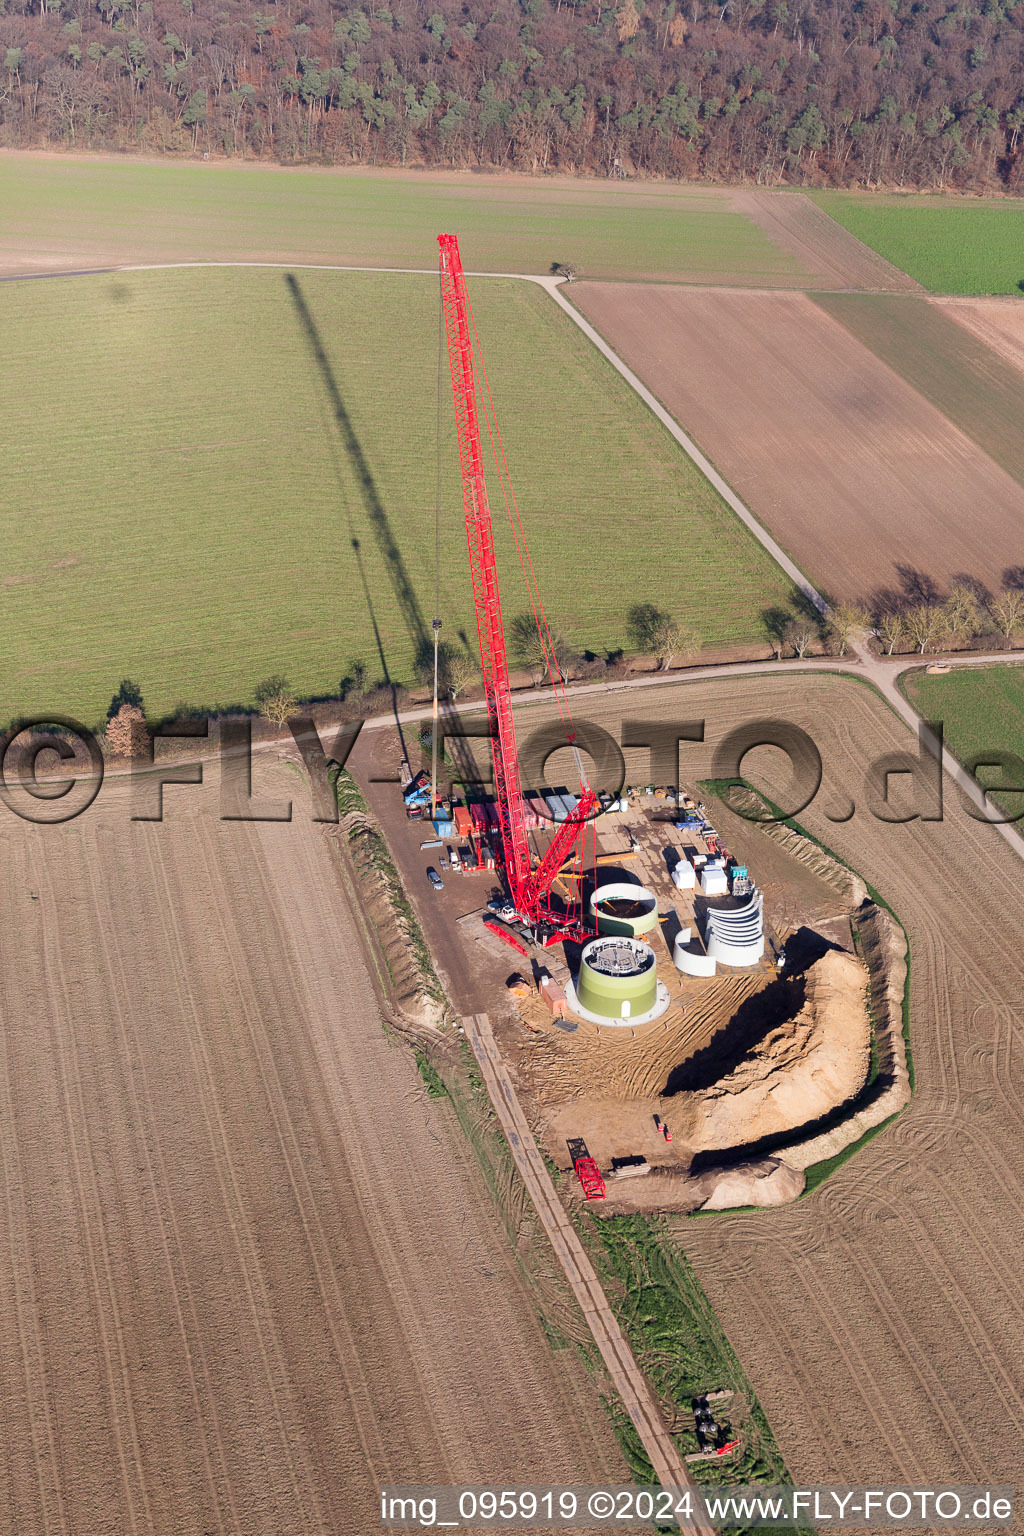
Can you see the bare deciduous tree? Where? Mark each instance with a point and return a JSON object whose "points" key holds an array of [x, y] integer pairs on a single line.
{"points": [[843, 622], [925, 624], [1007, 611], [555, 650], [672, 639], [891, 630], [275, 700], [800, 633], [961, 612], [656, 633], [461, 670], [525, 644]]}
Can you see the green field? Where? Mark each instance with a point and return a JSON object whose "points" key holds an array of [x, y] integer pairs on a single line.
{"points": [[969, 383], [951, 245], [982, 708], [73, 213], [184, 484]]}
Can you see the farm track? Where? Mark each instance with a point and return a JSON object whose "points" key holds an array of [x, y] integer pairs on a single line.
{"points": [[894, 1285], [246, 1275], [669, 1467]]}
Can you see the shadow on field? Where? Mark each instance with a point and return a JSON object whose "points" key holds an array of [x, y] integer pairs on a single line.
{"points": [[753, 1020], [394, 563]]}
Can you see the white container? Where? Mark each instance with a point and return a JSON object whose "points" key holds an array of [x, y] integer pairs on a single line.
{"points": [[684, 876]]}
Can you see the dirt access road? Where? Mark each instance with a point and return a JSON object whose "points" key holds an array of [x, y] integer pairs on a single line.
{"points": [[249, 1271], [892, 1292], [837, 258]]}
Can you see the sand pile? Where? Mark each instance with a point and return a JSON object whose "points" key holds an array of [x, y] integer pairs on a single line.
{"points": [[765, 1181], [801, 1070]]}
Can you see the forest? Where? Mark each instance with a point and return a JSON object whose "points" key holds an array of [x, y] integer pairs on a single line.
{"points": [[878, 93]]}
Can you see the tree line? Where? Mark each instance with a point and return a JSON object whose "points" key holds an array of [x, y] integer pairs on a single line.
{"points": [[915, 93], [918, 618]]}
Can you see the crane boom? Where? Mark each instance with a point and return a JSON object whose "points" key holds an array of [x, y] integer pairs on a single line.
{"points": [[529, 891]]}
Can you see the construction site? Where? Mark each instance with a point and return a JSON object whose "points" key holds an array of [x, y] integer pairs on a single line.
{"points": [[684, 999]]}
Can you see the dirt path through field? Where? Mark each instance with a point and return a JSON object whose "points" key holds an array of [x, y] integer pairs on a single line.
{"points": [[669, 1467], [820, 244], [247, 1274]]}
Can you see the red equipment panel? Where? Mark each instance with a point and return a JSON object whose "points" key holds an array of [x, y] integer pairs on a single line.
{"points": [[589, 1175]]}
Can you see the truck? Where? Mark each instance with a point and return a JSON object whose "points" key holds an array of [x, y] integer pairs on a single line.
{"points": [[416, 786]]}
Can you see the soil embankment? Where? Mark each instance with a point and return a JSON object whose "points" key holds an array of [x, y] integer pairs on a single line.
{"points": [[799, 1072]]}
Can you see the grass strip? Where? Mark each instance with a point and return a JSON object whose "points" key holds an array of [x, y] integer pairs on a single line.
{"points": [[949, 244]]}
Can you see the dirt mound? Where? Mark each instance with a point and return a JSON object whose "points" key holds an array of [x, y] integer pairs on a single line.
{"points": [[803, 1050], [802, 1068], [763, 1182]]}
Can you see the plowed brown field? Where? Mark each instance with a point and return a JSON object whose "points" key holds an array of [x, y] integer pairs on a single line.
{"points": [[247, 1273], [881, 1319], [860, 479], [999, 323]]}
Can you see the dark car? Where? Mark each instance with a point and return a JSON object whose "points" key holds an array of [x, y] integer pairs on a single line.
{"points": [[434, 878]]}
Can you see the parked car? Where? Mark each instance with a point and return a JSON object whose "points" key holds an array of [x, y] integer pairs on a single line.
{"points": [[434, 878]]}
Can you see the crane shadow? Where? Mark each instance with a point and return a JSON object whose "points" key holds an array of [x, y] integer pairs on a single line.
{"points": [[419, 631], [380, 523]]}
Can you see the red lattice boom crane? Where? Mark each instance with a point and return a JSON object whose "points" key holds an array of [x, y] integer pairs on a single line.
{"points": [[529, 889]]}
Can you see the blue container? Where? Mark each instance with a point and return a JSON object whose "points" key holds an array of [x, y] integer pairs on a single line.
{"points": [[443, 827]]}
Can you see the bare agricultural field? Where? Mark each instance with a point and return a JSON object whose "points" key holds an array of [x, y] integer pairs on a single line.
{"points": [[860, 478], [880, 1318], [999, 323], [248, 1271], [954, 353]]}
